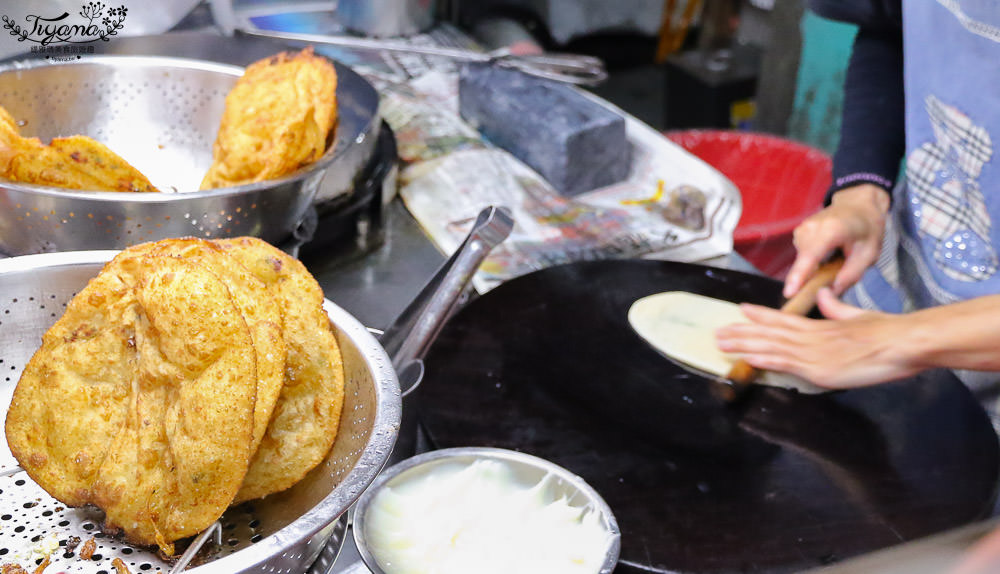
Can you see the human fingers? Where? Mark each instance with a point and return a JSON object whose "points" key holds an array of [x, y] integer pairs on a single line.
{"points": [[833, 308], [754, 338], [765, 323], [982, 558], [809, 355], [855, 265], [768, 329], [765, 347], [781, 363], [768, 316], [855, 222], [814, 239], [859, 256], [802, 268]]}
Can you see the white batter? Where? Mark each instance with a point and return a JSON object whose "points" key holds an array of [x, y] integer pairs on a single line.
{"points": [[478, 518], [682, 326]]}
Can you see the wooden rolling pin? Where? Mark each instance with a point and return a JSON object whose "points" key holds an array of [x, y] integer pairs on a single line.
{"points": [[742, 374]]}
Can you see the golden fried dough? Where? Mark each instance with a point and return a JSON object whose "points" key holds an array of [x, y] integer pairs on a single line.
{"points": [[74, 162], [12, 144], [277, 119], [148, 398], [141, 400], [305, 420], [94, 159], [73, 395], [8, 120], [180, 458], [259, 310]]}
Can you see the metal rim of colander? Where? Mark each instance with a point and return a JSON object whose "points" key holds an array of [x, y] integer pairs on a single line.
{"points": [[331, 154], [471, 453], [385, 425]]}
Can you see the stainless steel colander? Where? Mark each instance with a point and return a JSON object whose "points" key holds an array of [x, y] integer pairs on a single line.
{"points": [[161, 114], [284, 532]]}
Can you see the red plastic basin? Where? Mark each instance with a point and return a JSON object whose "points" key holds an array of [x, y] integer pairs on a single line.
{"points": [[781, 182]]}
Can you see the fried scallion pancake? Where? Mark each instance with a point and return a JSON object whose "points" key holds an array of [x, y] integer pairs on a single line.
{"points": [[277, 119], [305, 420], [74, 392], [141, 400], [11, 142], [259, 310], [74, 162]]}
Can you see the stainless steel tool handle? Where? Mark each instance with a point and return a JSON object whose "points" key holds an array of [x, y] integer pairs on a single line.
{"points": [[569, 68], [409, 336], [368, 44]]}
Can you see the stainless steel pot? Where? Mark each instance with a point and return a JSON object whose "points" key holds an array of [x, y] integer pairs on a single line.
{"points": [[530, 470], [161, 114], [284, 532]]}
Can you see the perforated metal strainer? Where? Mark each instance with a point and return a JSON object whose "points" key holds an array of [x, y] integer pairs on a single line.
{"points": [[284, 532], [161, 114]]}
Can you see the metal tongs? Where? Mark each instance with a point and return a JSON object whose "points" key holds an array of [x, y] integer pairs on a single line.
{"points": [[411, 334], [569, 68], [409, 337]]}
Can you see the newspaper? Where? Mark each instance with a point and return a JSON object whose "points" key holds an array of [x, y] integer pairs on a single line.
{"points": [[671, 206]]}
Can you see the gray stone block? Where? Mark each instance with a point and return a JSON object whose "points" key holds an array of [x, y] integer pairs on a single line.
{"points": [[575, 143]]}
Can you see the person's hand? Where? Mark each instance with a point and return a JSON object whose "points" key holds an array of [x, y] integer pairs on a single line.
{"points": [[983, 557], [855, 222], [851, 348]]}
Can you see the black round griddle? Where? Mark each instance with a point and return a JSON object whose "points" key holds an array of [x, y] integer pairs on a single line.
{"points": [[547, 364]]}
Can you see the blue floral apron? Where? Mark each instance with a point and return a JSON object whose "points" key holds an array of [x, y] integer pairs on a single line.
{"points": [[941, 242]]}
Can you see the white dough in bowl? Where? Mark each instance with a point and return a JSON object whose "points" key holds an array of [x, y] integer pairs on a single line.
{"points": [[682, 326]]}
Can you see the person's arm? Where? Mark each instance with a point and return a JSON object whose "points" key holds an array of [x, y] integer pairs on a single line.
{"points": [[856, 348], [872, 144], [872, 133], [983, 557], [872, 138]]}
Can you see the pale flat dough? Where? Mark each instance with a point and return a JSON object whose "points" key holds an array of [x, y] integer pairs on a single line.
{"points": [[682, 326]]}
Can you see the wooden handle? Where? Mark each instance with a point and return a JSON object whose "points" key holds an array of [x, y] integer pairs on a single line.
{"points": [[742, 373], [803, 301], [666, 33]]}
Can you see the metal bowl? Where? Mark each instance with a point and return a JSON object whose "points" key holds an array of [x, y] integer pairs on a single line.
{"points": [[527, 468], [161, 114], [284, 532]]}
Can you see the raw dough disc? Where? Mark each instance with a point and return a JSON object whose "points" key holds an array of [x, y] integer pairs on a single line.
{"points": [[682, 326]]}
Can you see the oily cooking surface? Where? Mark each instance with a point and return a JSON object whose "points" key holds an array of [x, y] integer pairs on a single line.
{"points": [[547, 364], [142, 398], [277, 119]]}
